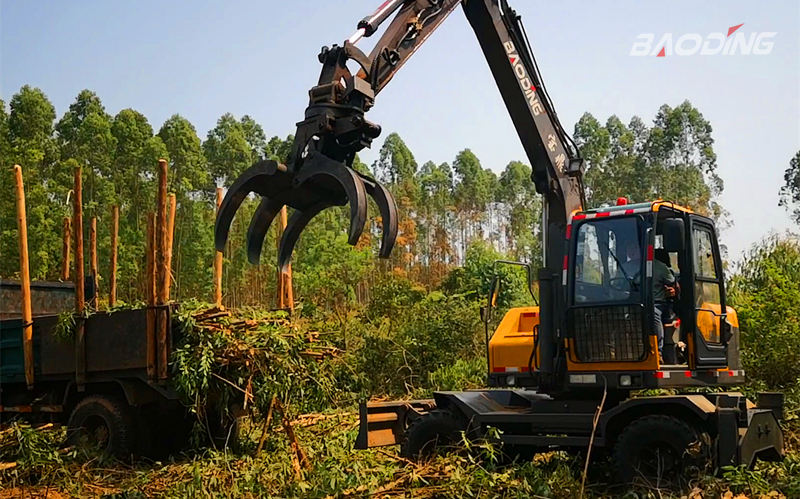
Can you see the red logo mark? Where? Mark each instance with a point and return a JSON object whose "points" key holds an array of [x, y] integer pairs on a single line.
{"points": [[733, 29]]}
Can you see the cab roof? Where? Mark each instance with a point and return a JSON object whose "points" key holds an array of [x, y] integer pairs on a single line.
{"points": [[653, 206]]}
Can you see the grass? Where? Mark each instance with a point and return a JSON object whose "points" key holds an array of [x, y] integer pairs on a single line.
{"points": [[336, 470], [253, 356]]}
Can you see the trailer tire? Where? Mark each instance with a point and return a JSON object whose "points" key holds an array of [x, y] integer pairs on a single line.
{"points": [[105, 422], [433, 430], [661, 450]]}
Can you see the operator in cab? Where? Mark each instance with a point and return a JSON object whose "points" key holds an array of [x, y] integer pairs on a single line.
{"points": [[665, 287]]}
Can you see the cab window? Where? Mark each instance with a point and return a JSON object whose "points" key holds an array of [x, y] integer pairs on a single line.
{"points": [[608, 261], [707, 287]]}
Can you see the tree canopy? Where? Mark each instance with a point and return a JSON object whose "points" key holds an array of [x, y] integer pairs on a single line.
{"points": [[445, 209], [790, 192]]}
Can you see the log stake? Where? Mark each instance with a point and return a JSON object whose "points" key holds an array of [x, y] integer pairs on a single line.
{"points": [[112, 274], [25, 278], [218, 262]]}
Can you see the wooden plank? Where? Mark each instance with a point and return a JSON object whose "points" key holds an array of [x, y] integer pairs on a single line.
{"points": [[218, 262], [80, 297], [93, 261], [112, 272], [25, 278], [150, 292], [65, 246]]}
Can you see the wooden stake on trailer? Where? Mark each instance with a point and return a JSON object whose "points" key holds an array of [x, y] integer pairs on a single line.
{"points": [[112, 272], [170, 236], [218, 262], [93, 261], [65, 247], [25, 278], [150, 292], [80, 297], [161, 270], [161, 232]]}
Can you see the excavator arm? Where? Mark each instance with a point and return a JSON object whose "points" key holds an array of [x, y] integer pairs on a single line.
{"points": [[318, 173]]}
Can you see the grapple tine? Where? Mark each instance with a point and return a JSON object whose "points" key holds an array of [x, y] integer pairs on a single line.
{"points": [[262, 178], [294, 227], [326, 173], [266, 212], [227, 210], [388, 210]]}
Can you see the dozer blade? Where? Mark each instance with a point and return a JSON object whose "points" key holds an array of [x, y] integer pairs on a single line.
{"points": [[320, 183]]}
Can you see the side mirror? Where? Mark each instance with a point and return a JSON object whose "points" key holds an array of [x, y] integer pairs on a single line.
{"points": [[674, 235]]}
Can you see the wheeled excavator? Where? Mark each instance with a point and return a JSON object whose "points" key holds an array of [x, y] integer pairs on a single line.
{"points": [[561, 374]]}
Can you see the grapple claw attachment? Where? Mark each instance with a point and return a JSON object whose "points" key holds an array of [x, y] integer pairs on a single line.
{"points": [[294, 227], [266, 212], [388, 210], [336, 184], [318, 183], [265, 178]]}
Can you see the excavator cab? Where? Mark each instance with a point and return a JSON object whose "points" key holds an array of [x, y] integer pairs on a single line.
{"points": [[617, 261]]}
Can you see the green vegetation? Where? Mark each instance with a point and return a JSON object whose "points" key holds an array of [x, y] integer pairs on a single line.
{"points": [[790, 191], [364, 327], [444, 208], [766, 295]]}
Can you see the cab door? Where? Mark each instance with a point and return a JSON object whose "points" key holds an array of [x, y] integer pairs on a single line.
{"points": [[710, 335]]}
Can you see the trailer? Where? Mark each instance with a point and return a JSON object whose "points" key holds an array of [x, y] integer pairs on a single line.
{"points": [[101, 386]]}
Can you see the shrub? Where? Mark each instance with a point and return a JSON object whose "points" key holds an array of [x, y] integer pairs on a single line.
{"points": [[474, 279], [398, 354], [766, 294]]}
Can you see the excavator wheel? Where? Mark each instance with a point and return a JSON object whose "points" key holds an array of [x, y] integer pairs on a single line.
{"points": [[432, 432], [659, 451]]}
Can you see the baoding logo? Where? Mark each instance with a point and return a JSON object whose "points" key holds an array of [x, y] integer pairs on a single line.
{"points": [[734, 42]]}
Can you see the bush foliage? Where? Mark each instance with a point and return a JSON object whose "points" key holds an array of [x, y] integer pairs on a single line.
{"points": [[766, 294]]}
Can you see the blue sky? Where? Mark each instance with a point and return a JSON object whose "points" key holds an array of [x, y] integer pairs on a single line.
{"points": [[203, 58]]}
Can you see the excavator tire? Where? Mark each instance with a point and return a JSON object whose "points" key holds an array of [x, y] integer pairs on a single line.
{"points": [[433, 431], [658, 451]]}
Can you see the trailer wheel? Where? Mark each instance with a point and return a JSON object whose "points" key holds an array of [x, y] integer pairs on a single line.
{"points": [[436, 429], [659, 451], [102, 422]]}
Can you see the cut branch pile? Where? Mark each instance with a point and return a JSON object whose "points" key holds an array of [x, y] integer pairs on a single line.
{"points": [[246, 357]]}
